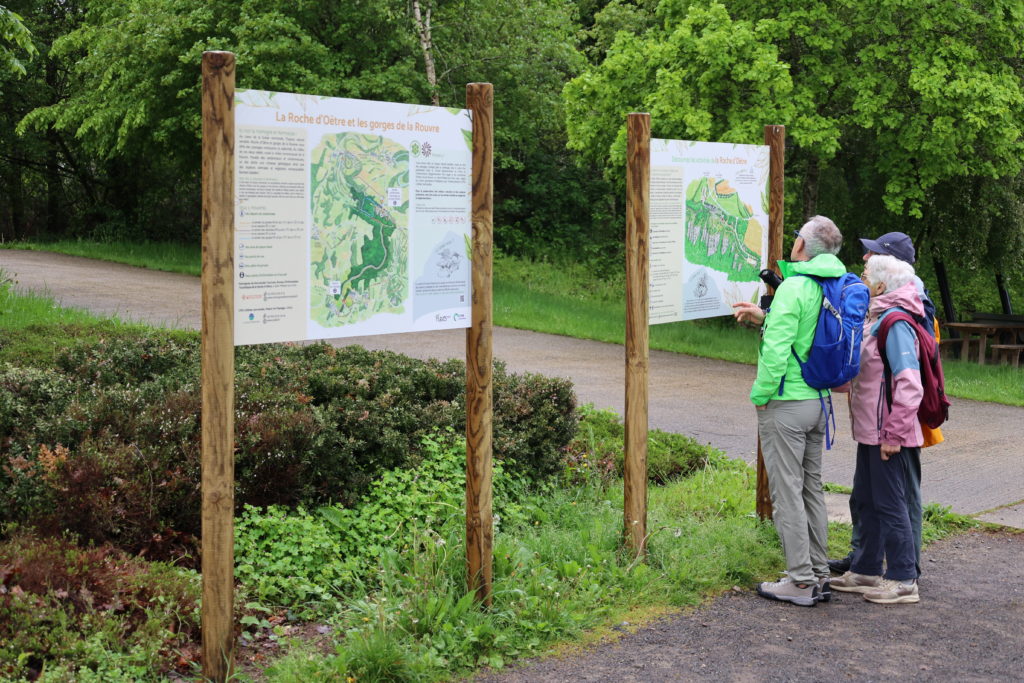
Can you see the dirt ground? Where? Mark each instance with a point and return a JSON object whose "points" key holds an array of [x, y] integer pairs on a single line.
{"points": [[969, 626]]}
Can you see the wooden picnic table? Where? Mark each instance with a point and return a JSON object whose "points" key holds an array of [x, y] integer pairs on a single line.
{"points": [[981, 332]]}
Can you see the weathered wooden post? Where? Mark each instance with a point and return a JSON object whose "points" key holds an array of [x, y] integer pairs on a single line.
{"points": [[218, 364], [479, 351], [638, 176], [775, 138]]}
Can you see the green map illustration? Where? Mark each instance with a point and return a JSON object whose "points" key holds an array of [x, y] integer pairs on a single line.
{"points": [[721, 232], [360, 235]]}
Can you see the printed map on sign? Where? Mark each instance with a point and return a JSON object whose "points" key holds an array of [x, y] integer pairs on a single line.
{"points": [[359, 241], [708, 227], [721, 231], [349, 217]]}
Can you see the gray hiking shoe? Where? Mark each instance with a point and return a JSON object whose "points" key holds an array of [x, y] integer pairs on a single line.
{"points": [[851, 582], [893, 592], [824, 588], [788, 590]]}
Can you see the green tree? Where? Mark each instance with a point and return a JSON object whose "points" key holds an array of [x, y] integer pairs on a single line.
{"points": [[890, 110], [131, 101], [14, 39]]}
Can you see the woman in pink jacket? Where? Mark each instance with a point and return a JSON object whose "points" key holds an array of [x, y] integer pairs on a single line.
{"points": [[887, 435]]}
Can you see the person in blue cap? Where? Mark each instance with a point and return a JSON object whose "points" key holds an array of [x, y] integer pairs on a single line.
{"points": [[900, 246]]}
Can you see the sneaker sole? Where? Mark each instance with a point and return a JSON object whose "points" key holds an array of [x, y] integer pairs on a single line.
{"points": [[899, 600], [854, 589], [802, 602]]}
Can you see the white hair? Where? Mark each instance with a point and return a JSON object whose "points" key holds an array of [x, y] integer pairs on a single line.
{"points": [[890, 270], [821, 236]]}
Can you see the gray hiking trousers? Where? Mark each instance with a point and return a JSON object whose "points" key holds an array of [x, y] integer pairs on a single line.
{"points": [[792, 434]]}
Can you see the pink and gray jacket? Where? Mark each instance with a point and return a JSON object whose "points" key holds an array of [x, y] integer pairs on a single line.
{"points": [[873, 421]]}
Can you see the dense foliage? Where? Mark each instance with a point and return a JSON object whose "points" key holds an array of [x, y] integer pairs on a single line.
{"points": [[597, 450], [69, 613], [15, 43], [106, 443], [101, 137], [896, 118]]}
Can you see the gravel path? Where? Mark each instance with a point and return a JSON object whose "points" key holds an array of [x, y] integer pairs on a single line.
{"points": [[967, 627]]}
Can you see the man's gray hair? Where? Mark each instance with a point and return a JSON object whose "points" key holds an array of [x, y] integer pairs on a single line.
{"points": [[890, 270], [821, 236]]}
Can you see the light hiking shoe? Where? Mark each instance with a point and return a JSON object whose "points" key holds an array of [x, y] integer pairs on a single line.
{"points": [[788, 590], [824, 589], [852, 582], [894, 592]]}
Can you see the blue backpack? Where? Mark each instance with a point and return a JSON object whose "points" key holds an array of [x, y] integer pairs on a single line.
{"points": [[834, 358]]}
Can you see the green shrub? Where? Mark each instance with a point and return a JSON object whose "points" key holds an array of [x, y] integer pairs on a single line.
{"points": [[599, 448], [402, 501], [133, 360], [305, 562], [91, 614], [291, 557], [313, 425]]}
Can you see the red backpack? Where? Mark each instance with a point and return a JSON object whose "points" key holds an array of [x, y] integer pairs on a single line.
{"points": [[934, 408]]}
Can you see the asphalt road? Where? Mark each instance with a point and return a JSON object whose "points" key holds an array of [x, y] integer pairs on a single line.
{"points": [[979, 470]]}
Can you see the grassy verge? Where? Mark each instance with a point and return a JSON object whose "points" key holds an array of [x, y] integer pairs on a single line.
{"points": [[35, 329], [568, 300], [169, 256]]}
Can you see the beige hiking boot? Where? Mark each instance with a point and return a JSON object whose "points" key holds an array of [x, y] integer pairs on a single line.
{"points": [[851, 582], [800, 593], [893, 592]]}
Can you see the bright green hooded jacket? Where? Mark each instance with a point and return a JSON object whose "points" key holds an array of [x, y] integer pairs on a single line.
{"points": [[790, 324]]}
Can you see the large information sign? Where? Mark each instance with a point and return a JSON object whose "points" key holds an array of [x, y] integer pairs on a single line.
{"points": [[708, 227], [351, 217]]}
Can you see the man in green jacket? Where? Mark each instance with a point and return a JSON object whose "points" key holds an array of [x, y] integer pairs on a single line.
{"points": [[790, 418]]}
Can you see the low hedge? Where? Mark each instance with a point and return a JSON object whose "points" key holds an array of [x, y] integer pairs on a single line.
{"points": [[106, 443]]}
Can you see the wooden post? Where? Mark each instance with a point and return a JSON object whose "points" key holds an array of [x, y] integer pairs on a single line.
{"points": [[638, 182], [479, 353], [775, 138], [218, 364]]}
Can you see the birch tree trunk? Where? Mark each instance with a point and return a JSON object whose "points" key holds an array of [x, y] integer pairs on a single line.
{"points": [[422, 20]]}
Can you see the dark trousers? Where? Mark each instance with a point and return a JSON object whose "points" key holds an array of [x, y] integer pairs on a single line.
{"points": [[912, 477], [885, 529]]}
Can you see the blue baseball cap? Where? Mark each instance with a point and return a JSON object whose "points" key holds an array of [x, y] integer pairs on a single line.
{"points": [[894, 244]]}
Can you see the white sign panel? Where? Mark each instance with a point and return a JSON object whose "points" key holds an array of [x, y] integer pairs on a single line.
{"points": [[708, 227], [351, 217]]}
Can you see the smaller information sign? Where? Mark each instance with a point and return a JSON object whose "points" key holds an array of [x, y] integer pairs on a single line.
{"points": [[708, 227]]}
